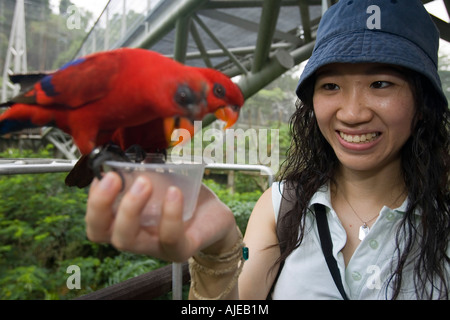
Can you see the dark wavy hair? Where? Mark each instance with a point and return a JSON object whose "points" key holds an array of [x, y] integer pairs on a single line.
{"points": [[312, 163]]}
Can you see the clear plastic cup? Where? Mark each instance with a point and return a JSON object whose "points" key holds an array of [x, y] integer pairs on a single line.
{"points": [[185, 174]]}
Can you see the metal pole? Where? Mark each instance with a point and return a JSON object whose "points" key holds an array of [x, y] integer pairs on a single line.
{"points": [[29, 165], [279, 64], [180, 49], [224, 48], [177, 281], [267, 26], [182, 27], [26, 166], [16, 48]]}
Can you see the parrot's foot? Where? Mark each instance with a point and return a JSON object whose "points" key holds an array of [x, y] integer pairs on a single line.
{"points": [[108, 152], [136, 153]]}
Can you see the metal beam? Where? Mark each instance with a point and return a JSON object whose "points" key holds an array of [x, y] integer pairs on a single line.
{"points": [[447, 6], [201, 46], [444, 27], [303, 53], [181, 38], [165, 21], [278, 64], [306, 21], [246, 24], [37, 166], [16, 55], [216, 53], [220, 44], [267, 26]]}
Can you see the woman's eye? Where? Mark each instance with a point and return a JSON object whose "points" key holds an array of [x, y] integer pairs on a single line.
{"points": [[330, 86], [380, 84]]}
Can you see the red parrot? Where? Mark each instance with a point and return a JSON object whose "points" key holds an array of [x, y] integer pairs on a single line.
{"points": [[223, 98], [91, 97]]}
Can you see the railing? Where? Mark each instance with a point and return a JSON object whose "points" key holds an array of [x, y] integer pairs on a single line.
{"points": [[149, 285]]}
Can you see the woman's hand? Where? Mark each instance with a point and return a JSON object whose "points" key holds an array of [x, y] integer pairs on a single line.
{"points": [[212, 228]]}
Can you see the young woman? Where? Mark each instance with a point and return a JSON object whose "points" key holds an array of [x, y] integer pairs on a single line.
{"points": [[370, 146]]}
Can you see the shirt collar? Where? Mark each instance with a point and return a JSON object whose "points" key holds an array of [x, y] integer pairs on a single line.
{"points": [[322, 196]]}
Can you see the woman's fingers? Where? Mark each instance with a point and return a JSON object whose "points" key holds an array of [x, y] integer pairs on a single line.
{"points": [[172, 227], [127, 226], [173, 239], [99, 216]]}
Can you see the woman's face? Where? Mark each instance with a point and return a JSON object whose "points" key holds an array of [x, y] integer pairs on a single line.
{"points": [[365, 112]]}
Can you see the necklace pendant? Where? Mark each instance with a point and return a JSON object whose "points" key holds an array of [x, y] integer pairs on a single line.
{"points": [[363, 231]]}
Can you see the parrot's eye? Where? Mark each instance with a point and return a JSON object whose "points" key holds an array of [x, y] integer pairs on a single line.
{"points": [[185, 96], [219, 90]]}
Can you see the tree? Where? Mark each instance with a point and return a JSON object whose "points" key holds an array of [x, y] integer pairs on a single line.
{"points": [[63, 5]]}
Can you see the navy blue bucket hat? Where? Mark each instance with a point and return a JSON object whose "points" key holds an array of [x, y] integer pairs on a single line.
{"points": [[397, 32]]}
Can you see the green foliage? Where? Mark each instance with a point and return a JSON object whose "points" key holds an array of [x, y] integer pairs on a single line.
{"points": [[240, 203], [42, 233]]}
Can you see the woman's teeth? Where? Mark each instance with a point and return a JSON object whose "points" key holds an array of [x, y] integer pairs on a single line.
{"points": [[363, 138]]}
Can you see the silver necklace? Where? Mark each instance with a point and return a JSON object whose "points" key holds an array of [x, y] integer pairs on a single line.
{"points": [[364, 228]]}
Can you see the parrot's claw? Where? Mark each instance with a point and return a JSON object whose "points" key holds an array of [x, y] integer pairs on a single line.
{"points": [[108, 152], [136, 153]]}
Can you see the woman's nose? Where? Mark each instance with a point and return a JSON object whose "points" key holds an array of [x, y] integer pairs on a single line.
{"points": [[354, 109]]}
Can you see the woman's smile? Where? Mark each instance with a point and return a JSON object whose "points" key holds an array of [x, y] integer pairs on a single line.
{"points": [[358, 142]]}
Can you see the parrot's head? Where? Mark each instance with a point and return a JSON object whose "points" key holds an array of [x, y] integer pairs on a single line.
{"points": [[224, 97]]}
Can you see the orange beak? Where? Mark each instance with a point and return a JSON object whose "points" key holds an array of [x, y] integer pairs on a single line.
{"points": [[228, 114], [173, 123]]}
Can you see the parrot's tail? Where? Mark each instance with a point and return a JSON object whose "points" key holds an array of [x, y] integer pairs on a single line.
{"points": [[22, 116], [26, 81], [6, 104]]}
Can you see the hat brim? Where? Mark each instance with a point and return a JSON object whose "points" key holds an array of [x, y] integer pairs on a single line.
{"points": [[371, 46]]}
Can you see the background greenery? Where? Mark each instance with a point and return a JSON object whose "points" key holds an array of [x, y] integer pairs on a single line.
{"points": [[50, 44]]}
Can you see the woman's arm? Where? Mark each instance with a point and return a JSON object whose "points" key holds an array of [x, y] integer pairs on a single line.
{"points": [[258, 275], [260, 237]]}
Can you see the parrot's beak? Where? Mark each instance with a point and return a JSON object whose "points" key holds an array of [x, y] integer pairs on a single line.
{"points": [[228, 114], [173, 123]]}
